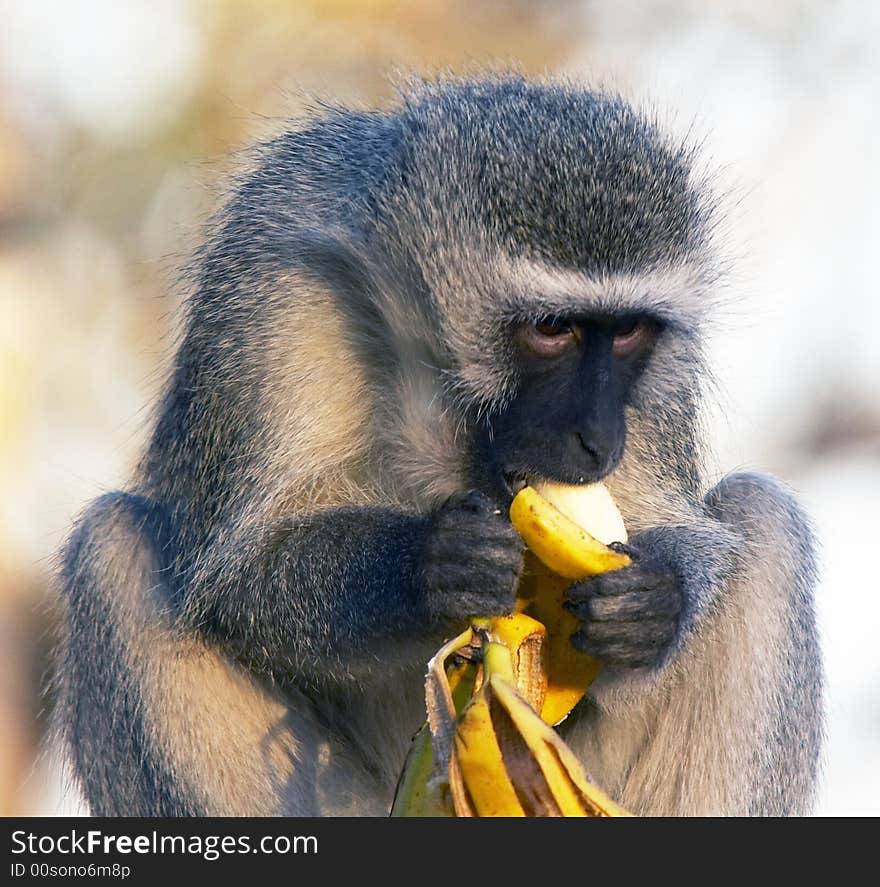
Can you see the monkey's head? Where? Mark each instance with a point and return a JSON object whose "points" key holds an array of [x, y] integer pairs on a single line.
{"points": [[560, 243]]}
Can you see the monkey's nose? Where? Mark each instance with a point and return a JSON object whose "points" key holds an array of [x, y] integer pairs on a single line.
{"points": [[598, 451]]}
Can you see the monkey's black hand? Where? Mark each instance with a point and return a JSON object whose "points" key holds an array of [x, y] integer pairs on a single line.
{"points": [[628, 617], [472, 559]]}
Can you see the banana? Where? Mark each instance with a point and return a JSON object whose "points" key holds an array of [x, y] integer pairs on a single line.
{"points": [[590, 506], [524, 638], [561, 551], [510, 762], [485, 750], [453, 677], [484, 777], [415, 796], [555, 783], [562, 545], [569, 672], [423, 787]]}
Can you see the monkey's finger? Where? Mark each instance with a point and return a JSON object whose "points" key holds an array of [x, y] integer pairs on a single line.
{"points": [[470, 501], [628, 652], [482, 606], [653, 633], [633, 553], [484, 573], [636, 602], [665, 602], [626, 581], [488, 570], [493, 534], [473, 527], [490, 550], [480, 574], [461, 601], [625, 657]]}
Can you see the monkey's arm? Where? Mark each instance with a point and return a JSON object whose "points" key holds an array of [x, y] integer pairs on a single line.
{"points": [[731, 719], [773, 644], [160, 723], [353, 587]]}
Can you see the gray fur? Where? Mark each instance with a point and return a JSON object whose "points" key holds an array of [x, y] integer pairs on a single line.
{"points": [[246, 631]]}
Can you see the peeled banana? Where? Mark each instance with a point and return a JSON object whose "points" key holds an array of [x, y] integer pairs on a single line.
{"points": [[590, 506], [561, 551], [564, 546], [485, 750]]}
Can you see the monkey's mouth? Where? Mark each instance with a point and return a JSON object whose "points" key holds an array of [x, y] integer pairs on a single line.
{"points": [[514, 481]]}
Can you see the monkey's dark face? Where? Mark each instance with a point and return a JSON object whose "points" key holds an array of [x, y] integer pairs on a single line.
{"points": [[567, 420]]}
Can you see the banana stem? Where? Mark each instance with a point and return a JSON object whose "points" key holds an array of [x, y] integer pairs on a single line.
{"points": [[497, 661]]}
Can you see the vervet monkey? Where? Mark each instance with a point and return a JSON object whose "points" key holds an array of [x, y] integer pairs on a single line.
{"points": [[397, 320]]}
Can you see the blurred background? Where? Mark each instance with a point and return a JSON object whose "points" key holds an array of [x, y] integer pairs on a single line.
{"points": [[120, 120]]}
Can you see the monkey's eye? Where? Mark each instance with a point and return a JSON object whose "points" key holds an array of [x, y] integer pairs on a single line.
{"points": [[633, 336], [552, 327], [549, 337]]}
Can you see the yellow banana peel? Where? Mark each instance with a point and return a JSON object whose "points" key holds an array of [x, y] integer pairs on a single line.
{"points": [[423, 788], [485, 750], [565, 547], [510, 762], [560, 551]]}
